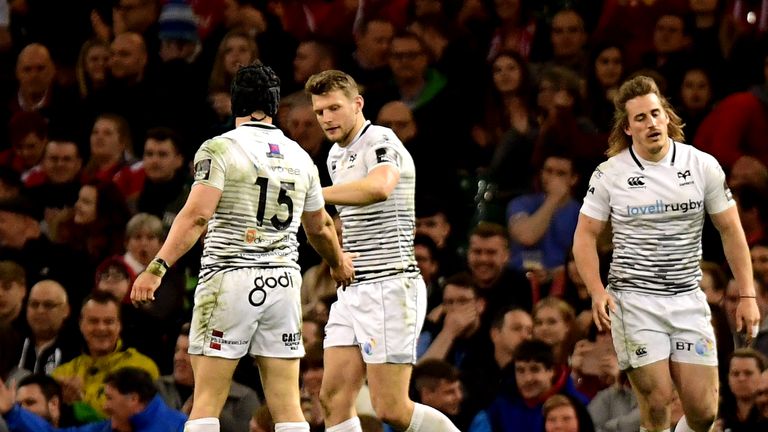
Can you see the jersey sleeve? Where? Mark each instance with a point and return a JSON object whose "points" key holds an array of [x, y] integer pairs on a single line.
{"points": [[597, 203], [386, 150], [717, 194], [210, 163], [314, 200]]}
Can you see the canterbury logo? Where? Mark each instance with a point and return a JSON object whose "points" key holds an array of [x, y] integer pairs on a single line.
{"points": [[636, 181], [684, 175]]}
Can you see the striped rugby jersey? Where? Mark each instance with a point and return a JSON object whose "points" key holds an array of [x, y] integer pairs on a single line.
{"points": [[656, 211], [267, 182], [381, 232]]}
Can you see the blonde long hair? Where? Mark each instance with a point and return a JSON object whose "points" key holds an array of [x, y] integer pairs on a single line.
{"points": [[635, 87]]}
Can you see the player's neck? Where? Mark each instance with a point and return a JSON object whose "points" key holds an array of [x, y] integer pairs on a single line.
{"points": [[350, 138]]}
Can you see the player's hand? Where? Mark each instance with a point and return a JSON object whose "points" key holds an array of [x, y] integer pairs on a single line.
{"points": [[602, 306], [144, 288], [7, 396], [344, 273], [748, 318]]}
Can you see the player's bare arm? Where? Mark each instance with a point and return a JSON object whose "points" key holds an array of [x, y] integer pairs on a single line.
{"points": [[186, 229], [322, 236], [737, 253], [588, 263], [373, 188]]}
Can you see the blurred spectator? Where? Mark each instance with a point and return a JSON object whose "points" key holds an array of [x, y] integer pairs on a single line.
{"points": [[13, 291], [176, 390], [615, 409], [562, 415], [671, 48], [28, 135], [151, 327], [568, 37], [10, 183], [461, 332], [111, 148], [261, 420], [131, 401], [425, 251], [519, 406], [312, 331], [605, 72], [368, 62], [752, 202], [554, 322], [51, 341], [237, 48], [37, 89], [714, 280], [84, 378], [436, 383], [761, 396], [91, 67], [575, 293], [737, 126], [97, 224], [594, 363], [696, 99], [55, 182], [737, 410], [22, 240], [482, 374], [488, 262], [748, 170], [515, 28], [432, 220], [311, 377], [302, 126], [313, 55], [159, 184], [40, 394], [541, 225]]}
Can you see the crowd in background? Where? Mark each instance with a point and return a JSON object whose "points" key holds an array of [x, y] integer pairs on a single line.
{"points": [[505, 106]]}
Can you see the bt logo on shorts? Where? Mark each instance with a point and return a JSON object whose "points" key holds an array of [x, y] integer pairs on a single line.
{"points": [[661, 207], [258, 294], [702, 347]]}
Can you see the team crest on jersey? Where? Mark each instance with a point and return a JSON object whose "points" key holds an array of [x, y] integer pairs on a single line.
{"points": [[683, 175], [274, 151], [203, 169]]}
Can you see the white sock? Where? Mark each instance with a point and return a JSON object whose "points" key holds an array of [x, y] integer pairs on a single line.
{"points": [[642, 429], [427, 419], [205, 424], [292, 427], [350, 425]]}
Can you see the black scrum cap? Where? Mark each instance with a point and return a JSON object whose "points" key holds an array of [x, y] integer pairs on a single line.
{"points": [[256, 87]]}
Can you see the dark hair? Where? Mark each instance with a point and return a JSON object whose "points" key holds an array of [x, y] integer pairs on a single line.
{"points": [[132, 380], [48, 386], [162, 133], [24, 123], [428, 373], [498, 319], [256, 87], [490, 229], [537, 351], [102, 298], [11, 271], [464, 280], [427, 242]]}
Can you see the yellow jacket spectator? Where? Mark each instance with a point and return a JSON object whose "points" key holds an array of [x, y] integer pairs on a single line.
{"points": [[82, 379]]}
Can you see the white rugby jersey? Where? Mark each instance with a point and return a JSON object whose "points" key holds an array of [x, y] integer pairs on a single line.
{"points": [[267, 182], [657, 214], [381, 232]]}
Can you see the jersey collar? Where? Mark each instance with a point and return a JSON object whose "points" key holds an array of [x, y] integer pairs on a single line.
{"points": [[640, 165], [360, 133], [259, 125]]}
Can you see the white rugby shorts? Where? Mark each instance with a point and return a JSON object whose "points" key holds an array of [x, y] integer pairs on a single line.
{"points": [[649, 328], [383, 318], [252, 311]]}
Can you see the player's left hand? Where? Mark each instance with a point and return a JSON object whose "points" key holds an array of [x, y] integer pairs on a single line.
{"points": [[748, 318], [344, 273], [144, 288]]}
